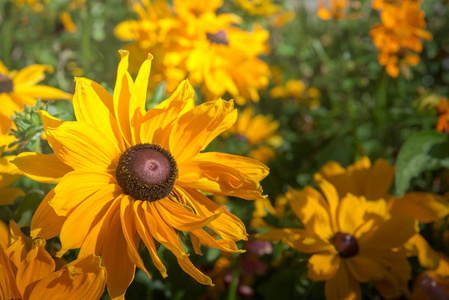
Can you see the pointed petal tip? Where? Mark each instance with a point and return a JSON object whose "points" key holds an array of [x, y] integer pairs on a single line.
{"points": [[123, 53], [150, 56]]}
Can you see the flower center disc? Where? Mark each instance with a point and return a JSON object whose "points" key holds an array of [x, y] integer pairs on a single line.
{"points": [[147, 172], [6, 85], [345, 244], [219, 38]]}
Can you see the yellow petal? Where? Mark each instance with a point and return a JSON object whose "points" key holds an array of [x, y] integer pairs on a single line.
{"points": [[196, 128], [342, 286], [157, 122], [45, 168], [48, 120], [247, 166], [122, 94], [8, 171], [218, 179], [145, 235], [37, 265], [323, 266], [299, 239], [41, 91], [393, 233], [333, 199], [94, 105], [9, 194], [115, 257], [31, 74], [8, 286], [364, 268], [82, 146], [425, 207], [190, 269], [46, 224], [180, 218], [209, 241], [130, 232], [139, 97], [83, 278], [428, 258], [310, 207], [379, 179], [74, 232], [351, 213], [94, 241], [227, 225], [77, 186]]}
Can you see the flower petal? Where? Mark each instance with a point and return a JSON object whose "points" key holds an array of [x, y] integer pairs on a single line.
{"points": [[364, 269], [77, 186], [9, 194], [31, 74], [138, 98], [45, 168], [82, 146], [94, 105], [130, 232], [190, 269], [379, 179], [8, 171], [310, 207], [218, 179], [196, 128], [119, 267], [323, 266], [45, 223], [83, 278], [342, 286], [351, 212], [91, 210], [425, 207], [122, 95], [145, 235], [157, 122], [41, 91]]}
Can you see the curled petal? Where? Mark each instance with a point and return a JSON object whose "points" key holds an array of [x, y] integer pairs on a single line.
{"points": [[45, 168]]}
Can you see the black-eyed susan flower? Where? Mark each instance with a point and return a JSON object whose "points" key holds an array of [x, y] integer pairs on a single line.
{"points": [[258, 7], [27, 271], [8, 174], [19, 88], [194, 41], [260, 132], [373, 182], [126, 175], [351, 240]]}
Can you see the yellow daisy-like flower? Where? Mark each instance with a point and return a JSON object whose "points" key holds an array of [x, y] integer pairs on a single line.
{"points": [[27, 271], [352, 241], [19, 88], [260, 133], [8, 174], [126, 175], [373, 182], [258, 7]]}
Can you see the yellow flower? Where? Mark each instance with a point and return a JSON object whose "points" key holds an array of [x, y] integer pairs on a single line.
{"points": [[36, 5], [399, 34], [336, 9], [374, 182], [27, 271], [296, 89], [260, 133], [19, 88], [8, 174], [67, 22], [351, 240], [433, 284], [263, 207], [258, 7], [196, 42], [126, 175]]}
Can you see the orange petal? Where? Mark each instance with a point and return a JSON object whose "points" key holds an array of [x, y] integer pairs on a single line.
{"points": [[45, 168], [41, 91], [323, 266], [190, 269], [46, 224], [115, 257], [425, 207], [342, 286]]}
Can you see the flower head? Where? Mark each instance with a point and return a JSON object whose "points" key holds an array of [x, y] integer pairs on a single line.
{"points": [[28, 271], [126, 175], [8, 174], [19, 88], [351, 240]]}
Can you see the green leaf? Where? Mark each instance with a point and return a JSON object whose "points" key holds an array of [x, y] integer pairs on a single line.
{"points": [[426, 150]]}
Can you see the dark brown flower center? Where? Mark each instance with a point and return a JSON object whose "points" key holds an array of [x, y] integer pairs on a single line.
{"points": [[147, 172], [6, 85], [219, 38], [345, 244]]}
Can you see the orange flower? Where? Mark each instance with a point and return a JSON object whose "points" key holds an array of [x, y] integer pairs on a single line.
{"points": [[399, 34], [443, 115], [337, 10]]}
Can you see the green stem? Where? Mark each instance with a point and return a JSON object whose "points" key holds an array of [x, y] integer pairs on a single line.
{"points": [[232, 293]]}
